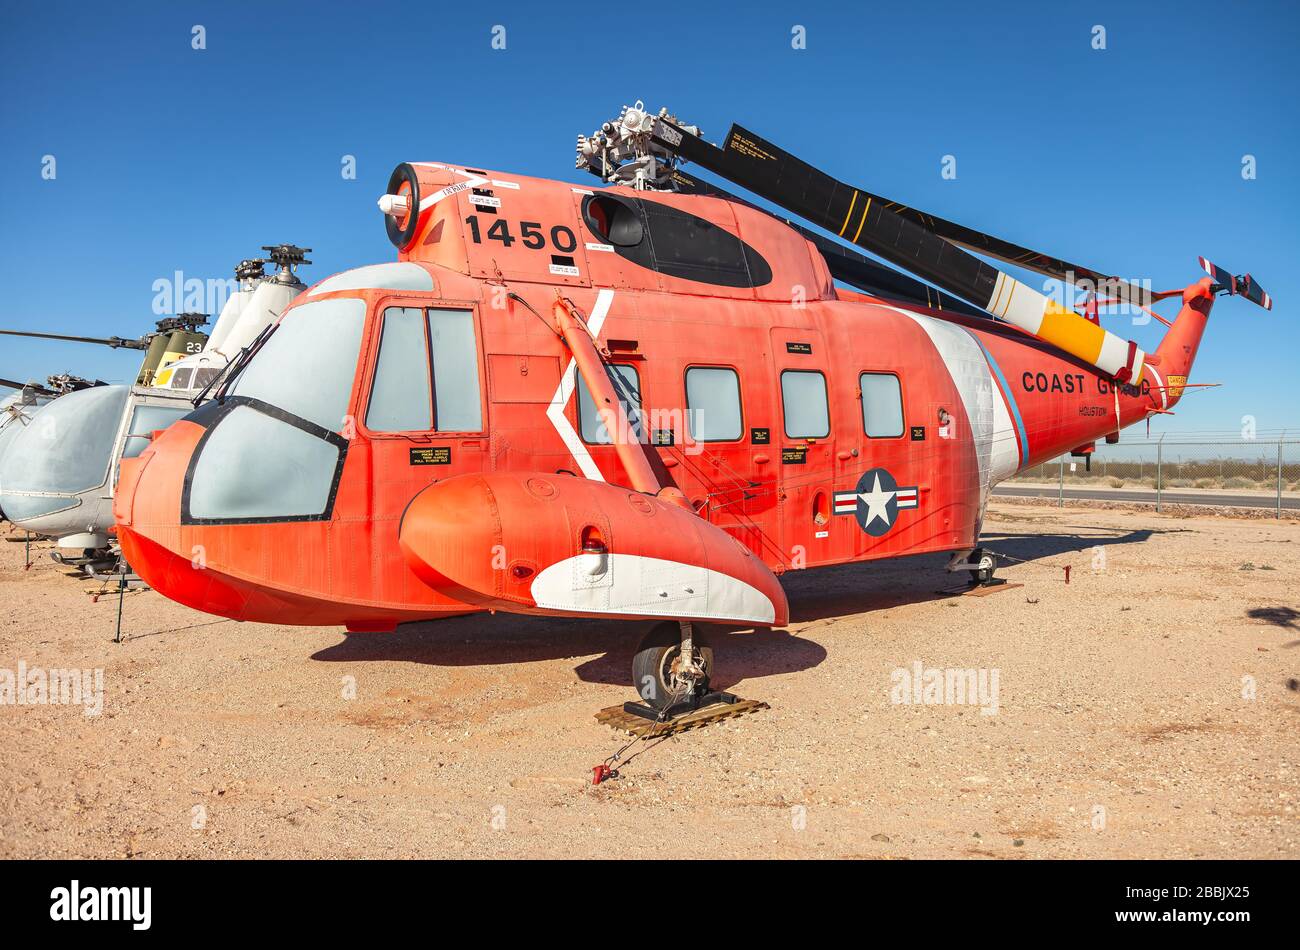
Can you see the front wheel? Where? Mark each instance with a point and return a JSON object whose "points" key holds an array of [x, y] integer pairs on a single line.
{"points": [[985, 564], [657, 670]]}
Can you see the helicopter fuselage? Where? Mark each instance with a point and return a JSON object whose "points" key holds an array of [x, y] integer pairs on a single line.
{"points": [[813, 425]]}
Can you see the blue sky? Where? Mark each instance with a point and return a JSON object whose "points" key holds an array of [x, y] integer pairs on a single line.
{"points": [[1126, 159]]}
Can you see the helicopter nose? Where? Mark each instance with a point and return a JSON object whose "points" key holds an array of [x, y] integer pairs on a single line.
{"points": [[147, 501], [146, 509], [64, 452]]}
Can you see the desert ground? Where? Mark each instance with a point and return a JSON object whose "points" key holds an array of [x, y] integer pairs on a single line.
{"points": [[1148, 708]]}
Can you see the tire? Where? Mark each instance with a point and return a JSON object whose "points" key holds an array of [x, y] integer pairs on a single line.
{"points": [[983, 575], [654, 660]]}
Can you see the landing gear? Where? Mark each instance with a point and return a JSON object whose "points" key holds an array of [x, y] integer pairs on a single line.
{"points": [[987, 563], [671, 671], [980, 564]]}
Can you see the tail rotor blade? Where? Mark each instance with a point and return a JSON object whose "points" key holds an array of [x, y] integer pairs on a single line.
{"points": [[1244, 285]]}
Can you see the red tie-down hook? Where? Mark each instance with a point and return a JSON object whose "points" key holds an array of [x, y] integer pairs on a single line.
{"points": [[600, 772]]}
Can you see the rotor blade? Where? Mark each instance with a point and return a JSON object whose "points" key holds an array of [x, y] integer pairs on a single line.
{"points": [[856, 270], [1254, 293], [979, 241], [1244, 285], [115, 342], [778, 176], [35, 387]]}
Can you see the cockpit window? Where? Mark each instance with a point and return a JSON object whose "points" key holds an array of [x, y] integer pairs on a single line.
{"points": [[417, 345], [456, 402], [146, 420], [307, 365], [401, 275], [257, 468], [67, 448], [400, 401]]}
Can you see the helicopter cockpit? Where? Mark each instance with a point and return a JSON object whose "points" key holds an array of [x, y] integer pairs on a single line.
{"points": [[62, 462], [278, 429], [64, 453], [272, 448]]}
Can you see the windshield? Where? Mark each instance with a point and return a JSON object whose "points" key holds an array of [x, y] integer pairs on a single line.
{"points": [[307, 364], [68, 446]]}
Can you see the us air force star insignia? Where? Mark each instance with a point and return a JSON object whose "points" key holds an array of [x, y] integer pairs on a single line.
{"points": [[876, 501]]}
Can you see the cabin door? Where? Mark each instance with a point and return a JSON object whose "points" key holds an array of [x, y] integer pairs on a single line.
{"points": [[804, 445], [423, 416]]}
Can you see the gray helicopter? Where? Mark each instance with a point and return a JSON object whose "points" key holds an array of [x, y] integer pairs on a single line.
{"points": [[19, 409], [57, 477]]}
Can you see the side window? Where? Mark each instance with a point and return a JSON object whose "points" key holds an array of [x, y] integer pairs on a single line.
{"points": [[803, 399], [426, 375], [145, 420], [148, 419], [628, 386], [713, 404], [399, 399], [457, 406], [882, 405]]}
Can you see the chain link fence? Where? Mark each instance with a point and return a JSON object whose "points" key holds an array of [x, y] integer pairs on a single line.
{"points": [[1253, 473]]}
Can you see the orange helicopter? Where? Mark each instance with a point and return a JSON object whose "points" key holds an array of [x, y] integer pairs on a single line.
{"points": [[644, 401]]}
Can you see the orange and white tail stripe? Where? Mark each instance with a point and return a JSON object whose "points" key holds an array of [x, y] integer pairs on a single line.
{"points": [[1039, 315]]}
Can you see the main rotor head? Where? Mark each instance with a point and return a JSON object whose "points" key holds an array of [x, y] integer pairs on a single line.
{"points": [[622, 151]]}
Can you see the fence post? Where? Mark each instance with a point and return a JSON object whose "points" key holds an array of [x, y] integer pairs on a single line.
{"points": [[1160, 468], [1060, 486], [1279, 477]]}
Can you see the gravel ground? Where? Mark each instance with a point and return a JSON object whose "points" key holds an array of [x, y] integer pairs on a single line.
{"points": [[1146, 709]]}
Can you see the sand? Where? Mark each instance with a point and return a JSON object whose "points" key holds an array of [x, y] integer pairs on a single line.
{"points": [[1149, 708]]}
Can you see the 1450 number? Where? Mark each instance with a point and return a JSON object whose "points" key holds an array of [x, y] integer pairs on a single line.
{"points": [[530, 233]]}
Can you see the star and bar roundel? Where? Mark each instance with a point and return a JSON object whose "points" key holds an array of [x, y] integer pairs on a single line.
{"points": [[876, 501]]}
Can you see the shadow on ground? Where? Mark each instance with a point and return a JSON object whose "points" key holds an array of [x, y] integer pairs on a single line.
{"points": [[862, 588]]}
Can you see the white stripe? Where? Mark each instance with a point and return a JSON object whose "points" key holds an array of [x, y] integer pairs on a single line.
{"points": [[471, 181], [1025, 308], [992, 430], [632, 585], [564, 391], [1114, 354], [1160, 381]]}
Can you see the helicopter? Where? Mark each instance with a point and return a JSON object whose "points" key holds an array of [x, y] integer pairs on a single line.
{"points": [[57, 478], [19, 409], [643, 401]]}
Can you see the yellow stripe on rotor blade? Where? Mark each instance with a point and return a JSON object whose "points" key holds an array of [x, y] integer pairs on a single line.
{"points": [[863, 221], [848, 214]]}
